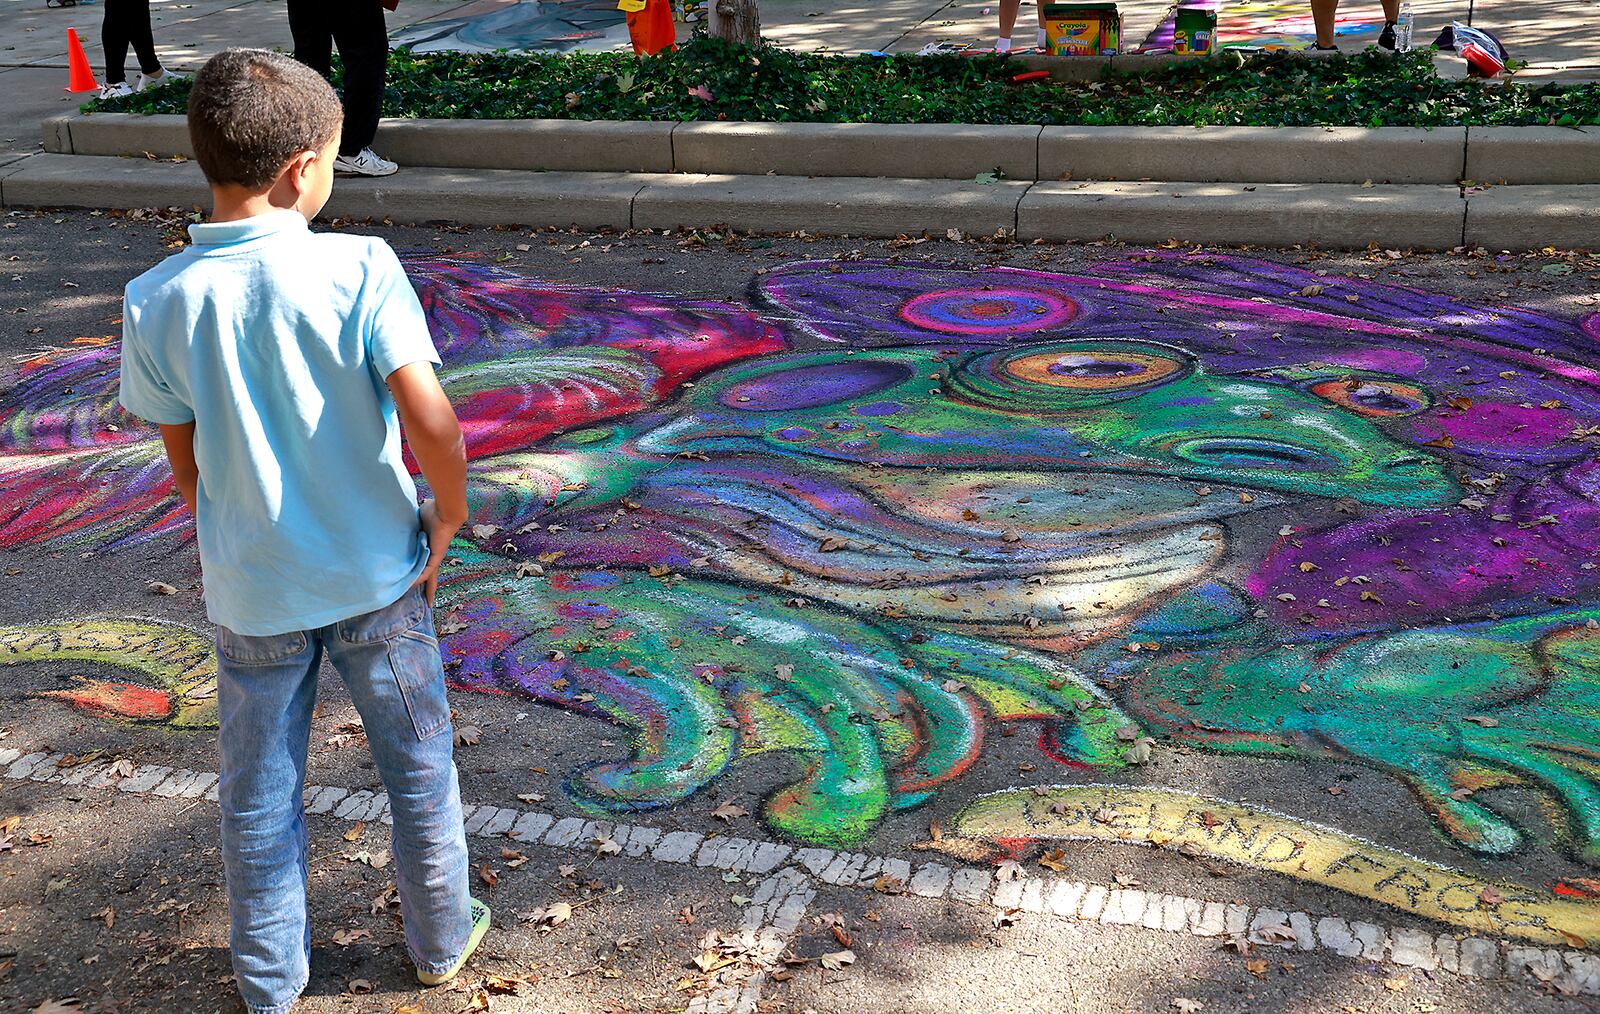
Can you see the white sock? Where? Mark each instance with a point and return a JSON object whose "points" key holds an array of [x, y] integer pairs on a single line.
{"points": [[1044, 40], [1002, 45]]}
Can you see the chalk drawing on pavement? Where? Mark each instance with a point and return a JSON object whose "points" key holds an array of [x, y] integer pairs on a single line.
{"points": [[1173, 498]]}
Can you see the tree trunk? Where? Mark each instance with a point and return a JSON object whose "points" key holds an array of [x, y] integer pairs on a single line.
{"points": [[736, 21]]}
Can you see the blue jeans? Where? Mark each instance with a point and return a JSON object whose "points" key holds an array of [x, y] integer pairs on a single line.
{"points": [[389, 660]]}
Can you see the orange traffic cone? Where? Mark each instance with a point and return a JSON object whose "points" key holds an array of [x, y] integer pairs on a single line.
{"points": [[79, 77]]}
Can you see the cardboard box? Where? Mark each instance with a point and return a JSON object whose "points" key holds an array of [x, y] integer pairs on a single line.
{"points": [[1082, 29], [1194, 30]]}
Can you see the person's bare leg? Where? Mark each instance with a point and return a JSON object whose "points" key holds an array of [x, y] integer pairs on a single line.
{"points": [[1391, 11], [1008, 20], [1323, 13]]}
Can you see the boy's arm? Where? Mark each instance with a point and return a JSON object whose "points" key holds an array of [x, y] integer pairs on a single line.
{"points": [[179, 441], [434, 436]]}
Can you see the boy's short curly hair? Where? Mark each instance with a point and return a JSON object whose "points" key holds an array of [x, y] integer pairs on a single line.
{"points": [[252, 110]]}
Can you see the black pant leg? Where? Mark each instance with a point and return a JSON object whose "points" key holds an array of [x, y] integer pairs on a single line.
{"points": [[143, 39], [311, 27], [114, 39], [363, 40]]}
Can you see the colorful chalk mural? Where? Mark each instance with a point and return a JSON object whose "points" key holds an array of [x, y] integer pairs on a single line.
{"points": [[1271, 25], [1208, 500], [521, 26]]}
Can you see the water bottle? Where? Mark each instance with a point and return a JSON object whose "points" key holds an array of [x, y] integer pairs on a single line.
{"points": [[1402, 30]]}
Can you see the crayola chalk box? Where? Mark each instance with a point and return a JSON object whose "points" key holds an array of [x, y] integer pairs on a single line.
{"points": [[1082, 29]]}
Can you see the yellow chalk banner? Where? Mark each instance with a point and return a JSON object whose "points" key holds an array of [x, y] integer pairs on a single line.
{"points": [[1265, 840]]}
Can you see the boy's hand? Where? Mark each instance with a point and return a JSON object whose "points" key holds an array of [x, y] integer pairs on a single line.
{"points": [[435, 439], [439, 533]]}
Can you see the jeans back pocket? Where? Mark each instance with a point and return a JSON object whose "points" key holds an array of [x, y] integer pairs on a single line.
{"points": [[243, 649]]}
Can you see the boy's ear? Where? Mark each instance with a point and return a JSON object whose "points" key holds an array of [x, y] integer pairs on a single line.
{"points": [[300, 166]]}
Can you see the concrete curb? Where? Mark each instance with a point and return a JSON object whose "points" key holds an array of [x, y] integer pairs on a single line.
{"points": [[477, 196], [847, 206], [1269, 214], [1532, 217], [1412, 155], [1404, 216], [956, 151], [1253, 154], [1533, 155]]}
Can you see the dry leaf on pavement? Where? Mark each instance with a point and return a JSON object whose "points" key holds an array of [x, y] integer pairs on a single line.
{"points": [[547, 919], [730, 812], [468, 735], [837, 960]]}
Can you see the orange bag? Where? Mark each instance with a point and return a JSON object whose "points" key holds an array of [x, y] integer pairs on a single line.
{"points": [[652, 29]]}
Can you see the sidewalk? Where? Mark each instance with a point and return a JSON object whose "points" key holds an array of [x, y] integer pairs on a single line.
{"points": [[1555, 37]]}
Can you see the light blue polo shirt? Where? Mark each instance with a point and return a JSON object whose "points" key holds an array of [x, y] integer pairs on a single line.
{"points": [[275, 341]]}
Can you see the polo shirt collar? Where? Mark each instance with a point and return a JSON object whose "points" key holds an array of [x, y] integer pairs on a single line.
{"points": [[214, 235]]}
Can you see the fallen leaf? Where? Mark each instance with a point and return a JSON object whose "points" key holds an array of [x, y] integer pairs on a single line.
{"points": [[837, 960], [1278, 933], [468, 735], [1395, 985], [346, 937], [488, 876], [162, 588], [356, 831], [359, 986], [1184, 1005], [1483, 720], [1257, 967], [730, 812], [1008, 870], [547, 919]]}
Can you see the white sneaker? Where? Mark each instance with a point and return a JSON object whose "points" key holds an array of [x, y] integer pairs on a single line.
{"points": [[115, 91], [159, 78], [365, 163]]}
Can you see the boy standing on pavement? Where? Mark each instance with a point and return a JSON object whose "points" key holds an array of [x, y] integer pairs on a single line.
{"points": [[275, 361]]}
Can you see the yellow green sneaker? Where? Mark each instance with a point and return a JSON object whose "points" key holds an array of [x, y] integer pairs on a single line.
{"points": [[480, 926]]}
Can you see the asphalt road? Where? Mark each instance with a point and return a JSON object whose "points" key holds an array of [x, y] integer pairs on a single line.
{"points": [[115, 897]]}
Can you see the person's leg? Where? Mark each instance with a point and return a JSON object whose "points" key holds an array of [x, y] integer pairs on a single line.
{"points": [[266, 687], [1043, 39], [114, 39], [1391, 11], [1008, 22], [313, 38], [389, 659], [1323, 13], [139, 33], [363, 40]]}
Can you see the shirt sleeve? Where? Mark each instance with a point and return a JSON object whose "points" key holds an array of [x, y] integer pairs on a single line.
{"points": [[397, 330], [141, 388]]}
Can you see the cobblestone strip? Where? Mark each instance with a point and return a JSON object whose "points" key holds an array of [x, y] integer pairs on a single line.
{"points": [[792, 873]]}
